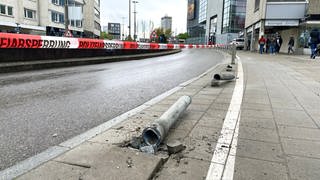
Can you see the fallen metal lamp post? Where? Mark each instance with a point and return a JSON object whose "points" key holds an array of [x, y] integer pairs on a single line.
{"points": [[158, 130], [223, 76]]}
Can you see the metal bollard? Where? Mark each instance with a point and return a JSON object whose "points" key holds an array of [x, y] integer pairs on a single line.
{"points": [[155, 134], [233, 54]]}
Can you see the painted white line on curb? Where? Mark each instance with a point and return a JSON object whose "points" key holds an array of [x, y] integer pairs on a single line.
{"points": [[222, 163], [229, 168], [53, 152]]}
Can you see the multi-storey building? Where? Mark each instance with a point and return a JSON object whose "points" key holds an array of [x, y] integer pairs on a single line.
{"points": [[166, 23], [286, 18], [114, 29], [225, 20], [91, 18], [47, 17], [196, 22], [20, 16]]}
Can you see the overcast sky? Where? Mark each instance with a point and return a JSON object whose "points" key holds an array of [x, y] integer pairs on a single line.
{"points": [[147, 10]]}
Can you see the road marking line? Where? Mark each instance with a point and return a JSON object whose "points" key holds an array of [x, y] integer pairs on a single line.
{"points": [[223, 159]]}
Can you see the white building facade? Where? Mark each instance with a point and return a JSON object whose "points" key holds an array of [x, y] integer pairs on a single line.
{"points": [[47, 17]]}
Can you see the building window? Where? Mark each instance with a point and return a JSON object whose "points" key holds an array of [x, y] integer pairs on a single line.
{"points": [[233, 17], [203, 11], [97, 25], [10, 11], [96, 13], [58, 2], [78, 23], [57, 17], [30, 14], [2, 9], [256, 5], [6, 10]]}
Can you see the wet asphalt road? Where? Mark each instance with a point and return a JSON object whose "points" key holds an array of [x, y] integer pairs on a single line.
{"points": [[68, 101]]}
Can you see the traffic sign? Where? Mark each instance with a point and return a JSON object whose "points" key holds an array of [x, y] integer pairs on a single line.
{"points": [[68, 33]]}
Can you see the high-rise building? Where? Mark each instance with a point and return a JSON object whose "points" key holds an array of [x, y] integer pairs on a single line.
{"points": [[225, 20], [166, 23], [47, 17], [286, 18]]}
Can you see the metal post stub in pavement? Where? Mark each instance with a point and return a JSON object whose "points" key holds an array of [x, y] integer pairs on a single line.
{"points": [[229, 68], [154, 134], [233, 57]]}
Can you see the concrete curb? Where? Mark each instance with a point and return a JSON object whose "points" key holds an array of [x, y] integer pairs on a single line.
{"points": [[47, 64]]}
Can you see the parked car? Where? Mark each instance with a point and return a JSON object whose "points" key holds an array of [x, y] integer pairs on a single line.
{"points": [[239, 42]]}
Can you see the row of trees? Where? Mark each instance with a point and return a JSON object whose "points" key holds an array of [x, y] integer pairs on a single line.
{"points": [[163, 35]]}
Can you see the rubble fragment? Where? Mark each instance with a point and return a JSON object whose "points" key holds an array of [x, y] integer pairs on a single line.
{"points": [[175, 146]]}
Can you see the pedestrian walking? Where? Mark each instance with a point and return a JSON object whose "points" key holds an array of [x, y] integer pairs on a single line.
{"points": [[314, 40], [262, 42], [278, 43], [273, 43], [317, 51], [267, 45], [291, 45]]}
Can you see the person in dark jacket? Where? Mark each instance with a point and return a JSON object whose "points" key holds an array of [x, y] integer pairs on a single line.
{"points": [[273, 43], [267, 45], [278, 43], [314, 40], [291, 45]]}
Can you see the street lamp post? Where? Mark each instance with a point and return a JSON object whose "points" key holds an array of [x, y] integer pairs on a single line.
{"points": [[135, 24], [122, 29], [66, 17], [129, 36]]}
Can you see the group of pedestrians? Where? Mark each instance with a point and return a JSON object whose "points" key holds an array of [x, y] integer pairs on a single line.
{"points": [[273, 43], [270, 45]]}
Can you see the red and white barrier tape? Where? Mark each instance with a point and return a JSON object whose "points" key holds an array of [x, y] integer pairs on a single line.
{"points": [[8, 40]]}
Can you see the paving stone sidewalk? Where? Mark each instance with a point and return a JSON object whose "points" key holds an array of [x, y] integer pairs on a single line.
{"points": [[279, 136]]}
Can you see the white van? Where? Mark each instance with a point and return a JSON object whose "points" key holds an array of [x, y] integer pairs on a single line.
{"points": [[239, 42]]}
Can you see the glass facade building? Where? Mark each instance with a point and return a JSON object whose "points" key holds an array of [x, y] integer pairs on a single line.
{"points": [[203, 10], [234, 15]]}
